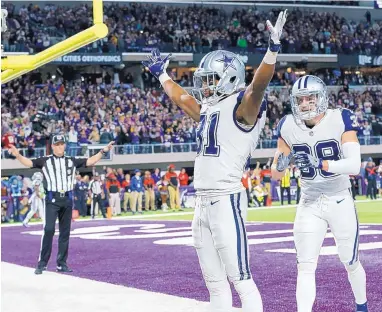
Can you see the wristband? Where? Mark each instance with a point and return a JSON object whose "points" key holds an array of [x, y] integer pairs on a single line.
{"points": [[102, 152], [270, 57], [164, 77]]}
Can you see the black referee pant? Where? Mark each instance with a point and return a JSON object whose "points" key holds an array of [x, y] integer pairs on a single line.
{"points": [[57, 205], [372, 189], [97, 199], [287, 189]]}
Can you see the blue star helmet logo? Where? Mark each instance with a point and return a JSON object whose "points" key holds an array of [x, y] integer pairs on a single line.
{"points": [[228, 61]]}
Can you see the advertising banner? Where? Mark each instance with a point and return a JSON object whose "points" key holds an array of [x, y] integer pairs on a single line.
{"points": [[89, 58]]}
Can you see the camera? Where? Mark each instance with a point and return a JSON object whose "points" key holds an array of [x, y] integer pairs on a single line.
{"points": [[40, 122]]}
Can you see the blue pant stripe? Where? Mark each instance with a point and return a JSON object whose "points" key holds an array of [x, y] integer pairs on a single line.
{"points": [[238, 238], [245, 238], [356, 241]]}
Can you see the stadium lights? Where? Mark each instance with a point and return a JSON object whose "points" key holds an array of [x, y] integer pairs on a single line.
{"points": [[15, 66]]}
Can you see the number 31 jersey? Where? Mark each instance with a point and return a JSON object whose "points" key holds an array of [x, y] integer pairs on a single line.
{"points": [[224, 146], [322, 141]]}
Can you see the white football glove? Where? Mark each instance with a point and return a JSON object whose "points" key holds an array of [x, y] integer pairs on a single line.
{"points": [[283, 161], [276, 31], [303, 160]]}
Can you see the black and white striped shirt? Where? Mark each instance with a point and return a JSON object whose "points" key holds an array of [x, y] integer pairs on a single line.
{"points": [[59, 172], [95, 187]]}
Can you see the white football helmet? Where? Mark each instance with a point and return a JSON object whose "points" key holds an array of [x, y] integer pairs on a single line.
{"points": [[308, 98], [220, 73], [37, 176]]}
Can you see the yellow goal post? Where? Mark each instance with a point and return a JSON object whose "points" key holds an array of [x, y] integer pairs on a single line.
{"points": [[13, 66]]}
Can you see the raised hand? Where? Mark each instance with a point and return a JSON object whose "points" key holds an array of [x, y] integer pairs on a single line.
{"points": [[13, 151], [156, 64], [108, 147], [276, 31]]}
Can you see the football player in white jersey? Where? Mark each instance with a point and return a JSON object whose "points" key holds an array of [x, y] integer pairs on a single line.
{"points": [[37, 200], [231, 117], [326, 150]]}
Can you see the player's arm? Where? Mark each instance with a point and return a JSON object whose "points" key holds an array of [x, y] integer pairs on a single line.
{"points": [[181, 97], [351, 150], [281, 160], [176, 93], [283, 153], [351, 163], [249, 109]]}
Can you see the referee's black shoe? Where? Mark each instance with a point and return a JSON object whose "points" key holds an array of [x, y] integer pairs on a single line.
{"points": [[64, 269], [39, 270]]}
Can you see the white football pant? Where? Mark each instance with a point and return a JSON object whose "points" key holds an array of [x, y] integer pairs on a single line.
{"points": [[221, 243], [37, 205], [310, 227]]}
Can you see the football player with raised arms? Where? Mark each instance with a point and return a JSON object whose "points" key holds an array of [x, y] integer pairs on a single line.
{"points": [[231, 117], [325, 148]]}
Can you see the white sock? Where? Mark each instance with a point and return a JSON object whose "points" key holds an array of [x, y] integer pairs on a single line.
{"points": [[220, 296], [306, 287], [249, 296], [357, 279]]}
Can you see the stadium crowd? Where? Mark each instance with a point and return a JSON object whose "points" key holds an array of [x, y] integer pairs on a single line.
{"points": [[98, 114], [192, 29]]}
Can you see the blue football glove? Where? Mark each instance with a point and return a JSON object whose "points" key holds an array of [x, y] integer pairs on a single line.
{"points": [[156, 64], [276, 31], [283, 161], [304, 160]]}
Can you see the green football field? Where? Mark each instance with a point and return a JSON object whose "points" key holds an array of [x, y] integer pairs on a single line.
{"points": [[368, 212]]}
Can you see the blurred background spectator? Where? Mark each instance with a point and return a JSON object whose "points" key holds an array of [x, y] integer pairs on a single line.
{"points": [[136, 118], [191, 29]]}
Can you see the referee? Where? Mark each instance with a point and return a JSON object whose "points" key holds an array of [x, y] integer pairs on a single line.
{"points": [[95, 189], [59, 173]]}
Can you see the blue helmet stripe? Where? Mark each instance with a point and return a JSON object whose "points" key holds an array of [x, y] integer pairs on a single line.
{"points": [[306, 82], [299, 83]]}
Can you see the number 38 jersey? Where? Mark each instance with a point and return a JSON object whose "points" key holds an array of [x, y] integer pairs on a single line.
{"points": [[224, 146], [322, 141]]}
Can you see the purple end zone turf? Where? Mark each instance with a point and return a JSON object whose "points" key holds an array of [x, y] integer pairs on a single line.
{"points": [[127, 256]]}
